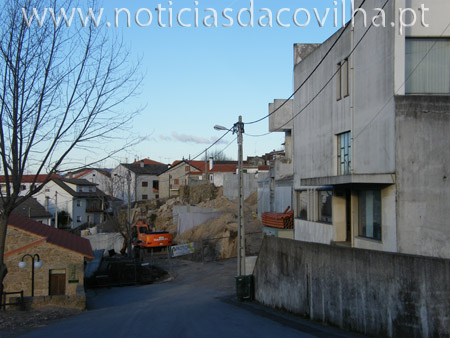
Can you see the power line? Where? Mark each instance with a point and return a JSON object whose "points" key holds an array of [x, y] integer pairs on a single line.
{"points": [[314, 70], [326, 83], [393, 96], [258, 135]]}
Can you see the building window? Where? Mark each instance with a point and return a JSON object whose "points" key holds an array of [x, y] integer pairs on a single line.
{"points": [[78, 203], [176, 181], [345, 78], [325, 208], [369, 214], [342, 80], [79, 219], [427, 66], [344, 153], [144, 197], [144, 184], [302, 204], [187, 168], [156, 185], [339, 81], [24, 187]]}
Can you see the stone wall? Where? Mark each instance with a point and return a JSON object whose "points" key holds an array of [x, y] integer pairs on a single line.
{"points": [[374, 293], [72, 302]]}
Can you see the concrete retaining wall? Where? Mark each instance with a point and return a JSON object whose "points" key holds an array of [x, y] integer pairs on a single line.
{"points": [[231, 184], [106, 241], [374, 293]]}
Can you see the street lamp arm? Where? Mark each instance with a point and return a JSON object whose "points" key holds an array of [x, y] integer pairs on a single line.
{"points": [[217, 127]]}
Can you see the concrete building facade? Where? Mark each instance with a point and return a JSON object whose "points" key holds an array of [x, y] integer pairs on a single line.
{"points": [[370, 146]]}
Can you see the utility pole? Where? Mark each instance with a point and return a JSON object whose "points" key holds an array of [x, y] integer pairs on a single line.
{"points": [[206, 165], [239, 129], [56, 209], [129, 213]]}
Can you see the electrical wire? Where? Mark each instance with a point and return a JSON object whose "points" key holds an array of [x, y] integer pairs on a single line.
{"points": [[392, 96], [258, 135], [314, 69], [326, 83]]}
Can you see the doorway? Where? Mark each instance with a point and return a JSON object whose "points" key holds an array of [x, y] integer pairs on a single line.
{"points": [[57, 285]]}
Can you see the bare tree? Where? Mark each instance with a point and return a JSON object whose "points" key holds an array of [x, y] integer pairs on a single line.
{"points": [[61, 89], [217, 155]]}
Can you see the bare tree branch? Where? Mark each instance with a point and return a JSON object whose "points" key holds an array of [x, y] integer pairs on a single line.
{"points": [[61, 88]]}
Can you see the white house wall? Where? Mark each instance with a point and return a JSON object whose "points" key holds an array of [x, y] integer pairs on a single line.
{"points": [[103, 182], [120, 183], [313, 232]]}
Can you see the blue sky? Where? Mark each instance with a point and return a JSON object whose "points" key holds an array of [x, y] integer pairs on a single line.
{"points": [[195, 78]]}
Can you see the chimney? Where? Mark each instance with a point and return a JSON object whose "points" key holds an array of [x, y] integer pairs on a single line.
{"points": [[211, 163]]}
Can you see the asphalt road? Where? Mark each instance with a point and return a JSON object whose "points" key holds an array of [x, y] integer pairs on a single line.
{"points": [[198, 302]]}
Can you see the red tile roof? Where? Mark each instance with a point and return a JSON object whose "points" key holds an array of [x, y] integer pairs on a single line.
{"points": [[200, 165], [224, 168], [54, 236], [264, 168], [30, 178], [85, 172]]}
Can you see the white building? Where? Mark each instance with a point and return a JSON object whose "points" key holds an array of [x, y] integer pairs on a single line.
{"points": [[142, 177], [28, 181], [371, 151], [101, 177], [78, 198]]}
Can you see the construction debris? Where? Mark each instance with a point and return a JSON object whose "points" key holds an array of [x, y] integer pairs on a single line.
{"points": [[217, 237]]}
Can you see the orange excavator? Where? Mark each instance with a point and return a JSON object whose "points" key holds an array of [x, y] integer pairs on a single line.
{"points": [[143, 238]]}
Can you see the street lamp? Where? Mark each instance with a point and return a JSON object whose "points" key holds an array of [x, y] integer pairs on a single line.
{"points": [[238, 128], [34, 264], [217, 127]]}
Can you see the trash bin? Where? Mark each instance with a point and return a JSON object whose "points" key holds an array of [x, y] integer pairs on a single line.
{"points": [[245, 288]]}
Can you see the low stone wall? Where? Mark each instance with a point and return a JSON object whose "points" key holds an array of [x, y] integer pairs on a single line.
{"points": [[71, 302], [374, 293]]}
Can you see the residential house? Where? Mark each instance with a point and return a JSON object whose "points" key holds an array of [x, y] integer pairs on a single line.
{"points": [[179, 174], [218, 171], [371, 151], [62, 254], [27, 182], [101, 177], [80, 199], [32, 209], [142, 176]]}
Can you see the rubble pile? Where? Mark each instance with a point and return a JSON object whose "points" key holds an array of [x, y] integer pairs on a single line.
{"points": [[218, 235], [221, 233]]}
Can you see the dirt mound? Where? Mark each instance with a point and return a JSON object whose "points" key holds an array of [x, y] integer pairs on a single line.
{"points": [[220, 234], [164, 216]]}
